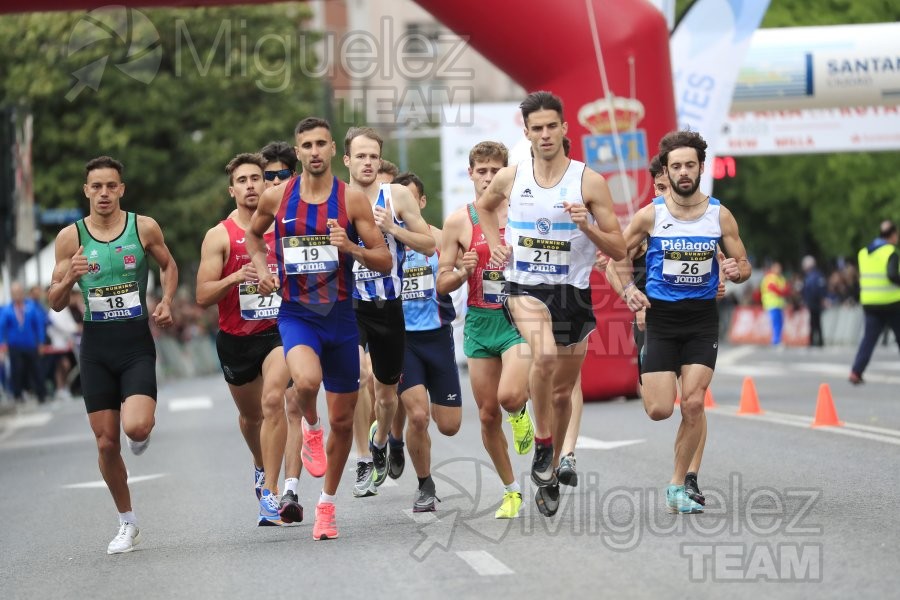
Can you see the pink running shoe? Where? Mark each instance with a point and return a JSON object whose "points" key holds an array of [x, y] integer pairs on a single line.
{"points": [[325, 527], [313, 451]]}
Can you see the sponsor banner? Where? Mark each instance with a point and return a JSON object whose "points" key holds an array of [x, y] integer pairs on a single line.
{"points": [[751, 325], [707, 49], [806, 67], [846, 129]]}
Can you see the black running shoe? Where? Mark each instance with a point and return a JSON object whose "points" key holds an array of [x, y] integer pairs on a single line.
{"points": [[425, 497], [566, 471], [542, 473], [693, 490], [379, 456], [396, 459], [547, 499], [289, 509]]}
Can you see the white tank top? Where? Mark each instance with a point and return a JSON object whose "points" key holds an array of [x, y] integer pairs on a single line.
{"points": [[372, 285], [548, 248]]}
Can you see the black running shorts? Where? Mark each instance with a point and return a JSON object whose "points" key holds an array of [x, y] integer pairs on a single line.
{"points": [[117, 361], [242, 356], [680, 333], [571, 310], [382, 330]]}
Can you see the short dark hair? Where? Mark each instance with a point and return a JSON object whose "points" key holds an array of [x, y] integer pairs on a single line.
{"points": [[484, 151], [280, 152], [389, 168], [681, 139], [245, 158], [407, 178], [567, 146], [655, 168], [310, 123], [887, 229], [540, 101], [103, 162], [355, 132]]}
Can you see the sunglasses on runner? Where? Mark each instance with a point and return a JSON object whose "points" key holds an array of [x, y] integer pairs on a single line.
{"points": [[280, 174]]}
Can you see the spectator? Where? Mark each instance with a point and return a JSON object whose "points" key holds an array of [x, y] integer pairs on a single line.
{"points": [[774, 291], [814, 291], [63, 333], [22, 333], [879, 278]]}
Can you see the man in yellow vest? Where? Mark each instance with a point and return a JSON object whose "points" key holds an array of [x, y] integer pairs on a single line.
{"points": [[879, 294], [774, 291]]}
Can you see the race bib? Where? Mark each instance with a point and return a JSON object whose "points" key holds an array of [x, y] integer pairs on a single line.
{"points": [[418, 283], [687, 267], [363, 273], [538, 255], [255, 307], [115, 302], [306, 254], [493, 287]]}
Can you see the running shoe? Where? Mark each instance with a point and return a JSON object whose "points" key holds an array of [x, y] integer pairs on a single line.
{"points": [[138, 448], [509, 508], [365, 480], [312, 454], [677, 501], [566, 472], [547, 499], [289, 509], [692, 489], [523, 431], [268, 510], [379, 456], [325, 527], [425, 497], [128, 537], [542, 473], [396, 458], [259, 480], [855, 378]]}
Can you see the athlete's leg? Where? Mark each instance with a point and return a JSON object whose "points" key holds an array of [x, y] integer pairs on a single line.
{"points": [[698, 454], [695, 380], [107, 431], [294, 438], [418, 441], [533, 322], [250, 415], [273, 432], [565, 374], [485, 376], [574, 427], [362, 416]]}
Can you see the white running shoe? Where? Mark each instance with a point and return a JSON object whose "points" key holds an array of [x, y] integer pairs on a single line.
{"points": [[129, 537], [138, 448]]}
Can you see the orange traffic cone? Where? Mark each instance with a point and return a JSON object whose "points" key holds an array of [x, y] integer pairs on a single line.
{"points": [[826, 415], [708, 401], [749, 399], [677, 399]]}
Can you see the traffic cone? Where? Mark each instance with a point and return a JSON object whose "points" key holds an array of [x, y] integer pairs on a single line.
{"points": [[677, 399], [708, 401], [749, 400], [826, 415]]}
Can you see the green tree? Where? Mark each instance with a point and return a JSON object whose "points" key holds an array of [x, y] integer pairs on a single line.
{"points": [[182, 93]]}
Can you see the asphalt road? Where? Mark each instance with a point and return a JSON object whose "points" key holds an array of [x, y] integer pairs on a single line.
{"points": [[800, 511]]}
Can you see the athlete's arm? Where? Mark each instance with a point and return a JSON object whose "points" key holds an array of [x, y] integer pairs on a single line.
{"points": [[154, 243], [736, 267], [493, 197], [262, 219], [450, 278], [605, 232], [71, 264], [375, 255], [416, 234], [619, 273], [211, 286]]}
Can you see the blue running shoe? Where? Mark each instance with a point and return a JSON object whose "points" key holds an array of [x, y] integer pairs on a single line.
{"points": [[268, 510], [677, 501], [259, 479]]}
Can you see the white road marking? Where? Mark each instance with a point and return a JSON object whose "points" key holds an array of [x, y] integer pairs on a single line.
{"points": [[421, 518], [30, 420], [484, 563], [732, 355], [46, 441], [876, 434], [587, 443], [102, 484], [198, 403]]}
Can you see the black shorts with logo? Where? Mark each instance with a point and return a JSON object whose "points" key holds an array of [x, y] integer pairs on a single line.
{"points": [[242, 356], [680, 333], [117, 360], [382, 330], [571, 309]]}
